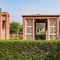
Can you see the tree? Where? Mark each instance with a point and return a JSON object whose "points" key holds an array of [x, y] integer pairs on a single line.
{"points": [[21, 29], [15, 27], [0, 9], [40, 26]]}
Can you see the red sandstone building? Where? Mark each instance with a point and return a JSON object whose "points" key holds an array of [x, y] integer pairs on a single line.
{"points": [[51, 28], [4, 25]]}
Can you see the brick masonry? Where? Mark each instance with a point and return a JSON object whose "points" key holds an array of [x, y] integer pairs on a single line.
{"points": [[4, 25], [45, 19]]}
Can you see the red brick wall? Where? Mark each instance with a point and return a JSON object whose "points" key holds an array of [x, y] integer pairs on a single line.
{"points": [[4, 32]]}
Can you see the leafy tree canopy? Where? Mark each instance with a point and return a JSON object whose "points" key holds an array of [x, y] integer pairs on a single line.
{"points": [[15, 27]]}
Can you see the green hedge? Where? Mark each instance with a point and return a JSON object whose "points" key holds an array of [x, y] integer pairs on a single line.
{"points": [[29, 50]]}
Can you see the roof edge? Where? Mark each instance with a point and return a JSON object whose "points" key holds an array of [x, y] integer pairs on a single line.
{"points": [[40, 15]]}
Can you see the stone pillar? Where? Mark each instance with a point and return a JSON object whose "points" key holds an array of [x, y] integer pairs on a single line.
{"points": [[7, 27], [57, 28], [0, 25], [24, 29], [33, 29], [48, 29]]}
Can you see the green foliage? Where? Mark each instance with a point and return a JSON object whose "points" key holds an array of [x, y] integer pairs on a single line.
{"points": [[40, 37], [20, 30], [15, 27], [0, 10], [29, 50]]}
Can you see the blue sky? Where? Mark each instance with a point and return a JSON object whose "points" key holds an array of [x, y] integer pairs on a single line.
{"points": [[18, 7]]}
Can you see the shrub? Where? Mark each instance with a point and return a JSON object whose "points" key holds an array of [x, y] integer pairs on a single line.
{"points": [[29, 50]]}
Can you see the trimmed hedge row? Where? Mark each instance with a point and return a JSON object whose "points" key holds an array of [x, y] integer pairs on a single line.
{"points": [[29, 50]]}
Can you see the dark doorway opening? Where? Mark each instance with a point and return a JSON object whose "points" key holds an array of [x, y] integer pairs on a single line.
{"points": [[40, 30]]}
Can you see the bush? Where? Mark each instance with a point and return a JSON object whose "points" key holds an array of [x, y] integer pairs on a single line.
{"points": [[29, 50], [41, 37]]}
